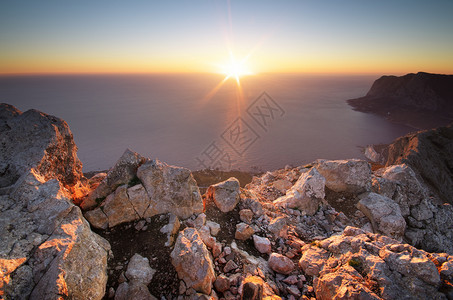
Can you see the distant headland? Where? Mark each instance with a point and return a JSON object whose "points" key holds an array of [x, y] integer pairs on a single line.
{"points": [[421, 100]]}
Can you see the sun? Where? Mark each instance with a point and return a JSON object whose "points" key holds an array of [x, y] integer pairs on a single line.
{"points": [[235, 69]]}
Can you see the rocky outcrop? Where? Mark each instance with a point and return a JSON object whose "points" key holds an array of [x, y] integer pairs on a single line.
{"points": [[121, 173], [164, 189], [374, 267], [422, 100], [192, 261], [225, 194], [36, 140], [48, 250], [429, 154], [306, 194]]}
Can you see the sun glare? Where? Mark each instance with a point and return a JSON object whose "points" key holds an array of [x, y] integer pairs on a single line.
{"points": [[235, 69]]}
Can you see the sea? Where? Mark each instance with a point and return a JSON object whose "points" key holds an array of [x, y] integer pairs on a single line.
{"points": [[259, 123]]}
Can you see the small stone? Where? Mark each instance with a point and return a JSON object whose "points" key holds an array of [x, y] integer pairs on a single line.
{"points": [[243, 231], [199, 221], [291, 279], [246, 215], [262, 244], [222, 283], [230, 266], [111, 292], [227, 250], [182, 287], [217, 249], [293, 290], [213, 227], [280, 264]]}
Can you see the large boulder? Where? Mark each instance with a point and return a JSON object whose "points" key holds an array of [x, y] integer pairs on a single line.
{"points": [[36, 140], [225, 194], [170, 189], [164, 189], [353, 175], [384, 215], [306, 194], [121, 173], [47, 248], [192, 261]]}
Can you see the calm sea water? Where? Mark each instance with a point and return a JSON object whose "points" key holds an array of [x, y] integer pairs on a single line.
{"points": [[183, 120]]}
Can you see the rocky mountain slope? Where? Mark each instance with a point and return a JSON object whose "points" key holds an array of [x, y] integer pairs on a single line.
{"points": [[328, 230], [421, 100]]}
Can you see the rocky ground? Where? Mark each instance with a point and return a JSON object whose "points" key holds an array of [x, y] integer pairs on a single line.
{"points": [[340, 229]]}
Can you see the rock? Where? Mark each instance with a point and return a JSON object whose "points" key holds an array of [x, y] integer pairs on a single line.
{"points": [[352, 176], [139, 199], [282, 185], [313, 260], [280, 264], [358, 263], [252, 288], [262, 244], [384, 214], [206, 237], [447, 268], [171, 229], [371, 154], [200, 220], [213, 227], [306, 193], [222, 283], [192, 261], [278, 226], [138, 269], [428, 153], [97, 218], [243, 232], [118, 208], [47, 247], [36, 140], [246, 215], [133, 290], [342, 285], [170, 189], [122, 173], [230, 266], [225, 194]]}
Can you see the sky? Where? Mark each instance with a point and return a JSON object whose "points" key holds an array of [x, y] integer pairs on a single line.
{"points": [[322, 36]]}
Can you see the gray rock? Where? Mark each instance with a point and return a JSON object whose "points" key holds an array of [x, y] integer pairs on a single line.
{"points": [[243, 231], [384, 214], [280, 264], [262, 244], [138, 269], [122, 173], [192, 261], [306, 194], [36, 140], [170, 189], [225, 194], [353, 176]]}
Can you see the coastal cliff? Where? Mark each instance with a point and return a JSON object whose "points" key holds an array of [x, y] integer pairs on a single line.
{"points": [[421, 100], [332, 229]]}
